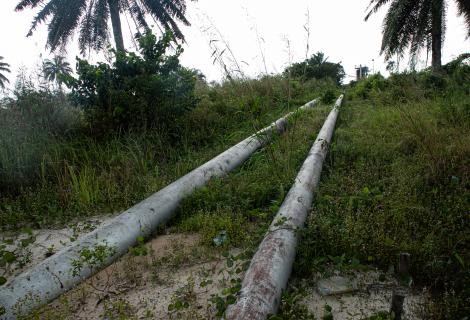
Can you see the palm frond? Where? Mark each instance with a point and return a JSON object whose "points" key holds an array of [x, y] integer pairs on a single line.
{"points": [[85, 36], [94, 27], [463, 7], [166, 11], [27, 3], [100, 25], [398, 27], [3, 80], [378, 4], [421, 37], [4, 66], [49, 9], [64, 22], [135, 9], [90, 18]]}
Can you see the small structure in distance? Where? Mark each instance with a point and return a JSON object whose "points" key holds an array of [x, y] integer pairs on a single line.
{"points": [[361, 72]]}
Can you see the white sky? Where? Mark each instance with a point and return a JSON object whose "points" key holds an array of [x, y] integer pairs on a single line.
{"points": [[337, 28]]}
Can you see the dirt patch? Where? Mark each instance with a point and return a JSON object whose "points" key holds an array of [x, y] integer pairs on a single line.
{"points": [[373, 294], [176, 279], [29, 247]]}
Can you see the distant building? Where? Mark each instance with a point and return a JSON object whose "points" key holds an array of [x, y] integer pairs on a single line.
{"points": [[362, 72]]}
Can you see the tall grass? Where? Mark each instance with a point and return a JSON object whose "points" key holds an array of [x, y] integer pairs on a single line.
{"points": [[51, 175], [397, 180], [29, 126]]}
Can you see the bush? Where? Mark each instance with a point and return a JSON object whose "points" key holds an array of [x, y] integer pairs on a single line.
{"points": [[367, 87], [328, 96], [29, 126], [150, 90], [317, 67]]}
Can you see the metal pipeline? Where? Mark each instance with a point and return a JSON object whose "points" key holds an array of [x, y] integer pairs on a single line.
{"points": [[52, 277], [271, 265]]}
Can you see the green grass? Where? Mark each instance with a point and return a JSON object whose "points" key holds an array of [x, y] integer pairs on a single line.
{"points": [[244, 203], [397, 179], [61, 177]]}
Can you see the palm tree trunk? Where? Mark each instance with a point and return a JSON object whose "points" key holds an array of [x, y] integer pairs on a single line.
{"points": [[116, 22], [438, 7]]}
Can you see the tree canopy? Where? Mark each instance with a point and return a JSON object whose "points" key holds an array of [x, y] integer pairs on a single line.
{"points": [[56, 69], [415, 25], [90, 18], [317, 67]]}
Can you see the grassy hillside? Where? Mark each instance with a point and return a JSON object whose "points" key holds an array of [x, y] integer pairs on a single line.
{"points": [[396, 178], [52, 173]]}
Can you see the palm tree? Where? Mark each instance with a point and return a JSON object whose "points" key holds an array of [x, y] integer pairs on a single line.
{"points": [[56, 69], [4, 67], [416, 24], [90, 17], [318, 59]]}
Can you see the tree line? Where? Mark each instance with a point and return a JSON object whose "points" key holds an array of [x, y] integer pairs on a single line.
{"points": [[409, 25]]}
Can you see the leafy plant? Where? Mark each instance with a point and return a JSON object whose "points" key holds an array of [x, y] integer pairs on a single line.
{"points": [[292, 308], [140, 249], [92, 258], [317, 67], [17, 255], [327, 312], [182, 299], [234, 267], [150, 90]]}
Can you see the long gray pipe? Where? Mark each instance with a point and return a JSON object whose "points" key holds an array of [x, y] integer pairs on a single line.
{"points": [[52, 277], [271, 266]]}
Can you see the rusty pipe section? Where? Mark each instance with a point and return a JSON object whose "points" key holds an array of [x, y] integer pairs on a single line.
{"points": [[53, 276], [271, 266]]}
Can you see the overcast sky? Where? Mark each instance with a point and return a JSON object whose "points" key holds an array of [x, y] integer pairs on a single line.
{"points": [[253, 29]]}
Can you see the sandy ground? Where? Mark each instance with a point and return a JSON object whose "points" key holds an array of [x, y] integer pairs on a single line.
{"points": [[372, 295], [179, 279], [33, 246], [175, 280]]}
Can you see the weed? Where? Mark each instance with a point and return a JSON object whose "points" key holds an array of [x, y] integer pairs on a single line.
{"points": [[183, 298], [92, 258], [119, 309], [291, 307], [140, 249], [15, 254], [231, 282], [50, 251]]}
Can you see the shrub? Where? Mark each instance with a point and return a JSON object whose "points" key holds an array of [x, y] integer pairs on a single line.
{"points": [[366, 88], [317, 67], [150, 90]]}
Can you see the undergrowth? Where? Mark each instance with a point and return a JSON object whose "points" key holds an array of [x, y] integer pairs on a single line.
{"points": [[244, 203], [48, 177], [397, 180]]}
